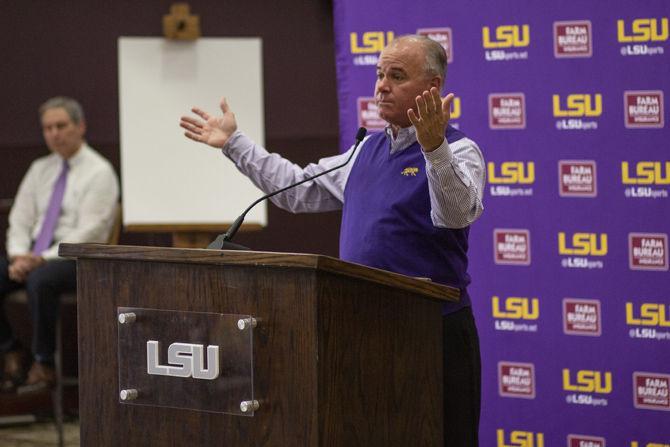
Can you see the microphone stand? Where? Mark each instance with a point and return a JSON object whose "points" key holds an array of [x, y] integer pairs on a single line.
{"points": [[223, 241]]}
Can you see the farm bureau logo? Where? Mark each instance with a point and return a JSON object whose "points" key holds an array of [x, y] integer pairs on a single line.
{"points": [[651, 391], [574, 108], [368, 114], [573, 39], [507, 111], [648, 251], [511, 246], [585, 441], [650, 320], [516, 380], [577, 178], [580, 248], [582, 317], [511, 173], [515, 308], [643, 109], [368, 45], [637, 34], [584, 384], [442, 36], [498, 42], [518, 438]]}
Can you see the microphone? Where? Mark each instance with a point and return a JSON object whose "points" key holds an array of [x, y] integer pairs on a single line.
{"points": [[223, 241]]}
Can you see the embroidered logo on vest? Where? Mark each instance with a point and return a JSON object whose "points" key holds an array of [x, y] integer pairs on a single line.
{"points": [[410, 171]]}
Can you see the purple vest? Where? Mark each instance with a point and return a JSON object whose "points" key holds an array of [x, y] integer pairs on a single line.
{"points": [[386, 218]]}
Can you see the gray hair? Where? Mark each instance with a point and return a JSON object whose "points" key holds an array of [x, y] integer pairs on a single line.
{"points": [[436, 56], [71, 106]]}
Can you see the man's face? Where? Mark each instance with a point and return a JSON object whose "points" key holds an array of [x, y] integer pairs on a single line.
{"points": [[61, 134], [401, 77]]}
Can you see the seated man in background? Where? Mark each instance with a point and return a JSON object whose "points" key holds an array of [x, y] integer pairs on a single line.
{"points": [[69, 195]]}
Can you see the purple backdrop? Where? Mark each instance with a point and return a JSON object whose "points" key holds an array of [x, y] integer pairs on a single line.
{"points": [[569, 262]]}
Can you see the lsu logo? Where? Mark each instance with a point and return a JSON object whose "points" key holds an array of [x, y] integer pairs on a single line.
{"points": [[507, 36], [643, 30], [455, 110], [519, 439], [649, 444], [646, 173], [410, 171], [648, 314], [587, 381], [512, 172], [583, 244], [518, 308], [371, 42], [578, 105], [184, 360]]}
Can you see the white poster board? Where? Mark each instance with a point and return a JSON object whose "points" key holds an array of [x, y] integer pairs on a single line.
{"points": [[166, 178]]}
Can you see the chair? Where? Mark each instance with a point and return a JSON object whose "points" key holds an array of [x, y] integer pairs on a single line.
{"points": [[68, 303]]}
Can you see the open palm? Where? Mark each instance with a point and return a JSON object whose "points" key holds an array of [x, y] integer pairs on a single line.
{"points": [[211, 130]]}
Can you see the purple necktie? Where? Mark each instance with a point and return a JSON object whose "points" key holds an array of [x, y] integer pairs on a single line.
{"points": [[46, 235]]}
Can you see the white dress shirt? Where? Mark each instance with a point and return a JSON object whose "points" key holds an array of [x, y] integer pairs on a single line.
{"points": [[87, 211], [456, 176]]}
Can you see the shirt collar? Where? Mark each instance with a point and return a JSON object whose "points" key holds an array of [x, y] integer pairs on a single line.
{"points": [[78, 157], [405, 138]]}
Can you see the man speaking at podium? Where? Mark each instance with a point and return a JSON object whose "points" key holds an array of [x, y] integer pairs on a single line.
{"points": [[407, 200]]}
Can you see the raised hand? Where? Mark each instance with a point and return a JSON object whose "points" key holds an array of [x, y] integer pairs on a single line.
{"points": [[432, 119], [212, 130]]}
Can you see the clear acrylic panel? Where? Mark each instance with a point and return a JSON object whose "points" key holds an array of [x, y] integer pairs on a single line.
{"points": [[193, 360]]}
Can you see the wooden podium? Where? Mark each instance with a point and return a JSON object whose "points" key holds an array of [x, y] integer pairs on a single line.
{"points": [[344, 355]]}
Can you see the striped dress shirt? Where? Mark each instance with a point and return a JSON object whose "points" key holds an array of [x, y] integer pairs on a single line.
{"points": [[455, 172]]}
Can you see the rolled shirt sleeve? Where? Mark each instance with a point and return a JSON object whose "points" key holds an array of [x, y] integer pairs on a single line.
{"points": [[271, 172], [455, 173], [456, 178], [23, 215]]}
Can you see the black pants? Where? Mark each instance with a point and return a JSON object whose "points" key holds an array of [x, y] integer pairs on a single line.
{"points": [[462, 379], [44, 286]]}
